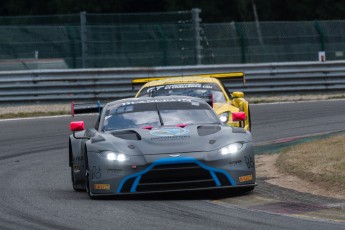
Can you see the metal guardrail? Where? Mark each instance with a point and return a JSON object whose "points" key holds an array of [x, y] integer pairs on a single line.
{"points": [[110, 84]]}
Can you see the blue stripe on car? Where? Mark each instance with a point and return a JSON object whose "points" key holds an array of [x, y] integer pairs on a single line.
{"points": [[179, 160]]}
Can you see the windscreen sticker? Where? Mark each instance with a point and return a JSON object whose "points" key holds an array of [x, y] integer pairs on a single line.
{"points": [[156, 101], [180, 86], [116, 108], [122, 109], [195, 103], [169, 132]]}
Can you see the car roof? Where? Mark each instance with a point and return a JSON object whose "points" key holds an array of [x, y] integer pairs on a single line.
{"points": [[181, 80]]}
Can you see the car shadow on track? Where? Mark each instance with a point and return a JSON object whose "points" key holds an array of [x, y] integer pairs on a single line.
{"points": [[176, 195], [185, 195]]}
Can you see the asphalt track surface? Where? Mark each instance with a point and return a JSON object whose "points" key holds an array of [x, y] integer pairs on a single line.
{"points": [[36, 191]]}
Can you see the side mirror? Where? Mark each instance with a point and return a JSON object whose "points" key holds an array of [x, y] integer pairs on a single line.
{"points": [[238, 95], [239, 116], [75, 126]]}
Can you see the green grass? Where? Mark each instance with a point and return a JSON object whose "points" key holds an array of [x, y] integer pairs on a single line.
{"points": [[321, 161], [337, 97]]}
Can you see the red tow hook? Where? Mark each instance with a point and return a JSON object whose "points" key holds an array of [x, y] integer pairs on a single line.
{"points": [[181, 125], [148, 127]]}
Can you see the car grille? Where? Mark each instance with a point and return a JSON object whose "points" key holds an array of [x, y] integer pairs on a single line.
{"points": [[175, 177]]}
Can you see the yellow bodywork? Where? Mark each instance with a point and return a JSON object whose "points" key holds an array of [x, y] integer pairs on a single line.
{"points": [[234, 104]]}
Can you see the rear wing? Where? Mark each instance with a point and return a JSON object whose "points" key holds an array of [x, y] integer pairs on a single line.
{"points": [[233, 75], [83, 108]]}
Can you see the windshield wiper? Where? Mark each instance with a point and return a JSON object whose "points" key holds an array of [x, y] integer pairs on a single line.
{"points": [[159, 115]]}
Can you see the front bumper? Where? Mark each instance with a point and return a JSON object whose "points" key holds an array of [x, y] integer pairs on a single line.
{"points": [[221, 188], [175, 174]]}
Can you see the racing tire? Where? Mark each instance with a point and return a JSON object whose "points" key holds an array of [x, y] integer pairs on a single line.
{"points": [[73, 184], [88, 184], [87, 178]]}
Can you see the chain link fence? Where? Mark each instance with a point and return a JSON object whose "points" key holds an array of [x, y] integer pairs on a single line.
{"points": [[39, 42], [248, 42], [159, 39]]}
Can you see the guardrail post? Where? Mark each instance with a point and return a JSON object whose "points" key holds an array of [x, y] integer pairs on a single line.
{"points": [[197, 38], [83, 39]]}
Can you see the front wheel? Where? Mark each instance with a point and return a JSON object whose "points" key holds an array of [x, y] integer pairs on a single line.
{"points": [[73, 182], [87, 175]]}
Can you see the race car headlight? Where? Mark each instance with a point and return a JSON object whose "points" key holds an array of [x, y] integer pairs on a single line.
{"points": [[231, 149], [111, 156], [224, 117], [121, 157]]}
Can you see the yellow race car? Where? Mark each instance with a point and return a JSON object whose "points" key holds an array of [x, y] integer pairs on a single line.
{"points": [[231, 108]]}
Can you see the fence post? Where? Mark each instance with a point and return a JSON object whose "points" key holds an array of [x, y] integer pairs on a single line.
{"points": [[197, 38], [72, 38], [163, 44], [83, 39], [321, 33], [241, 34]]}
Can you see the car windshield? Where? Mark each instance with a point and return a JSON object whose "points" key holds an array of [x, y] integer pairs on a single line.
{"points": [[200, 90], [140, 114]]}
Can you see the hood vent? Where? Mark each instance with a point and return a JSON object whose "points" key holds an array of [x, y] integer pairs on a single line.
{"points": [[208, 130], [127, 135]]}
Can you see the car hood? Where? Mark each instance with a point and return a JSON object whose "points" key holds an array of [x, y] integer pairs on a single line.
{"points": [[224, 107], [168, 140]]}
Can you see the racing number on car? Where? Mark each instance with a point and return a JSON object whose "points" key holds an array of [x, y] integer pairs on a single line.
{"points": [[249, 161], [96, 172]]}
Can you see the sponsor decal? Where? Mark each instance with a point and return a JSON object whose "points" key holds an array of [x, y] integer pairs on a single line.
{"points": [[156, 101], [177, 139], [245, 178], [96, 172], [114, 171], [195, 103], [249, 161], [101, 186], [149, 90], [235, 163], [169, 132], [122, 109], [76, 168], [180, 86], [175, 155]]}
